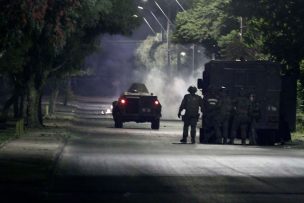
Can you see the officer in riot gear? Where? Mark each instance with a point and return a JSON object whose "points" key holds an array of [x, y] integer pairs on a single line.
{"points": [[240, 117], [211, 116], [225, 113], [254, 113], [191, 104]]}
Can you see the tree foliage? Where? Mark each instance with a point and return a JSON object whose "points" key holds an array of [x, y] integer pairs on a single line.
{"points": [[272, 29], [280, 26], [205, 23], [46, 38]]}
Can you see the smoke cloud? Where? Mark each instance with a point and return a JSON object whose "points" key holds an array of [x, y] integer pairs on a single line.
{"points": [[115, 71], [169, 90]]}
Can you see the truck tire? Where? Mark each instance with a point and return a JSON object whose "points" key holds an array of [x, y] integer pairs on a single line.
{"points": [[155, 124], [118, 124]]}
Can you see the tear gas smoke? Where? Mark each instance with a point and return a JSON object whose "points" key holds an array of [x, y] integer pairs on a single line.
{"points": [[115, 68], [169, 90]]}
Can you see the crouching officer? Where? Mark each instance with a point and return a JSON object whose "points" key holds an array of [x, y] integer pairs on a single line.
{"points": [[190, 103]]}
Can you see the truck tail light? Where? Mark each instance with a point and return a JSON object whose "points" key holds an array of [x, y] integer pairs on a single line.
{"points": [[156, 102], [123, 101]]}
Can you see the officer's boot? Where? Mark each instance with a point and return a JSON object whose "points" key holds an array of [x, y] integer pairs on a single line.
{"points": [[233, 136], [225, 140], [243, 141], [193, 140], [184, 140], [253, 140]]}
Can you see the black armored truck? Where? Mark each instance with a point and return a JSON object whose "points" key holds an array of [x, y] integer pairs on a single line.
{"points": [[274, 91], [137, 105]]}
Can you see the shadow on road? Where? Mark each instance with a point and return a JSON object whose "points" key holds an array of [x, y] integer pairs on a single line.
{"points": [[158, 189]]}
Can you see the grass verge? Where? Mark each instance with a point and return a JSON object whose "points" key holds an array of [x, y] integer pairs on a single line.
{"points": [[6, 135]]}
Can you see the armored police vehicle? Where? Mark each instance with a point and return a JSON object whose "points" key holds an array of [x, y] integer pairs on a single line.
{"points": [[274, 92], [138, 105]]}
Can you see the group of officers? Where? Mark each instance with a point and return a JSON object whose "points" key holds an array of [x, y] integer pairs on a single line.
{"points": [[222, 115]]}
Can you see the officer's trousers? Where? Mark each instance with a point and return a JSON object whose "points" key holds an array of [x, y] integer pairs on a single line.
{"points": [[189, 122], [252, 132], [225, 126], [212, 130], [239, 121]]}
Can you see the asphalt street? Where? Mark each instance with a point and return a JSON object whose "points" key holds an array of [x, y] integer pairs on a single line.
{"points": [[99, 163]]}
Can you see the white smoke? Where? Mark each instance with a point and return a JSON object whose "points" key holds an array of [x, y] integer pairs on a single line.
{"points": [[170, 90]]}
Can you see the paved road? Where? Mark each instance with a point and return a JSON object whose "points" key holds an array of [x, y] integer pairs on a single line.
{"points": [[136, 164]]}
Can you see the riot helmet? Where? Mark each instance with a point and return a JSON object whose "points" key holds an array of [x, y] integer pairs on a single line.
{"points": [[192, 90]]}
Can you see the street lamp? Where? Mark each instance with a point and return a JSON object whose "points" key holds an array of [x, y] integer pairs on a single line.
{"points": [[163, 13], [180, 5], [146, 21], [192, 53], [183, 53], [154, 16], [149, 25]]}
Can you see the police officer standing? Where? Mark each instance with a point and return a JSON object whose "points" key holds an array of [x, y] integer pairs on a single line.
{"points": [[212, 117], [190, 103], [226, 113], [254, 115], [240, 118]]}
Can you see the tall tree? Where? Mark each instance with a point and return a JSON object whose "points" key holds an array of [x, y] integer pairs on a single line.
{"points": [[279, 26], [205, 23], [53, 37]]}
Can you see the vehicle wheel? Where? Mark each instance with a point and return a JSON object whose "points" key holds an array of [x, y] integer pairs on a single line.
{"points": [[118, 124], [155, 124]]}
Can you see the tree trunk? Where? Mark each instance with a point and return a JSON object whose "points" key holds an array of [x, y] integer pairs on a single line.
{"points": [[33, 104], [53, 100], [21, 106], [7, 106], [67, 92], [16, 107], [40, 115]]}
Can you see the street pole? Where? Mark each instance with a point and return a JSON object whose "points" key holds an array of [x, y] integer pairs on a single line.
{"points": [[241, 29], [149, 25], [193, 59], [168, 19], [168, 48], [180, 5], [161, 26], [146, 21]]}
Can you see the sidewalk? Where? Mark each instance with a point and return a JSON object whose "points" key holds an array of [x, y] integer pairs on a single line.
{"points": [[27, 164]]}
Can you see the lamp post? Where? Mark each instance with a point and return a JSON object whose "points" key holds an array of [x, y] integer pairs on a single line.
{"points": [[149, 25], [147, 22], [180, 5], [192, 55], [193, 58], [156, 19], [169, 22]]}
